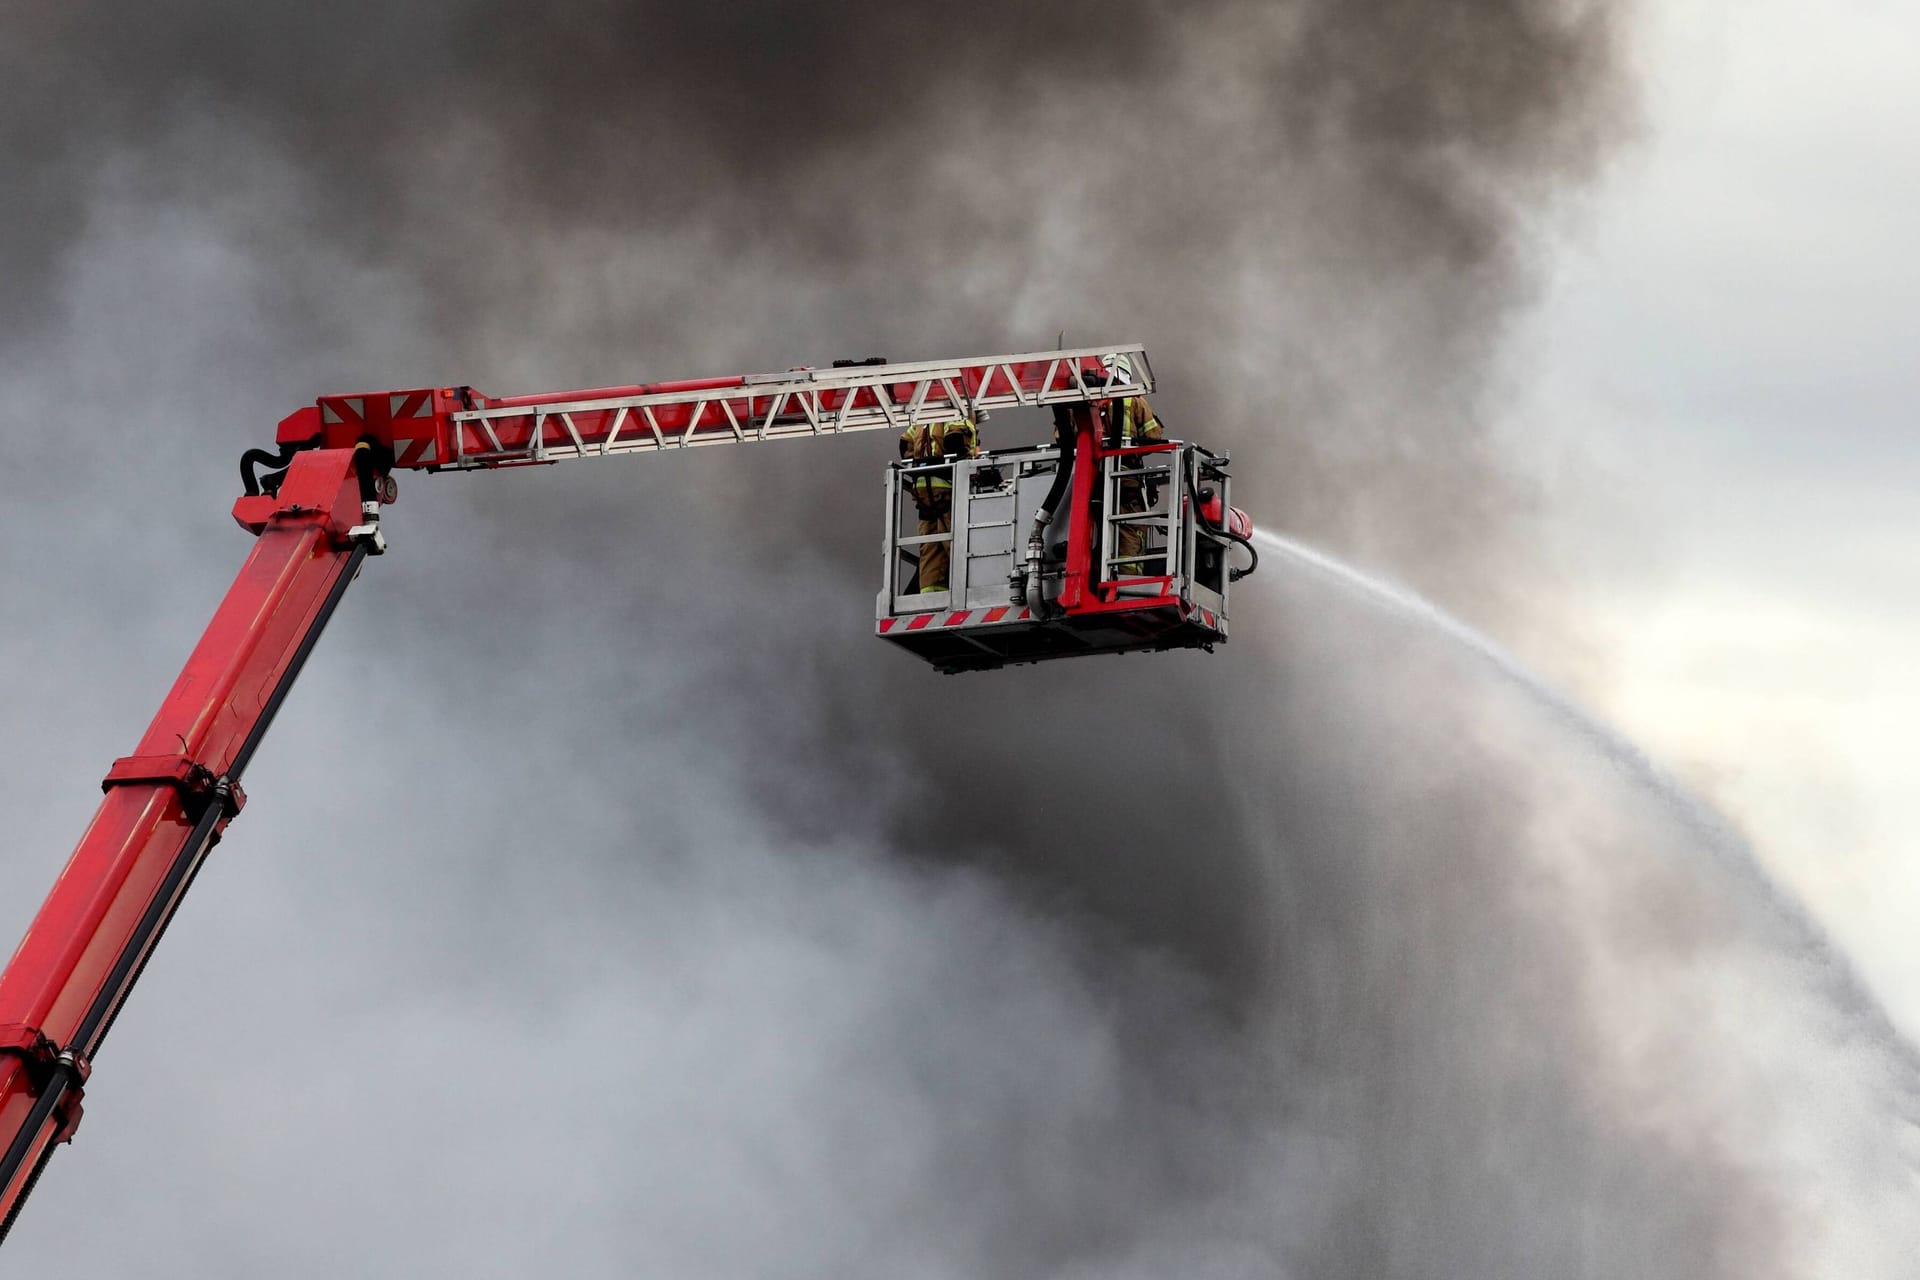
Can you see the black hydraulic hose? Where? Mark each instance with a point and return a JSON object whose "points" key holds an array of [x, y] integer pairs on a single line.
{"points": [[276, 463], [1063, 431], [1224, 531], [1234, 575], [1026, 579], [363, 471], [371, 460]]}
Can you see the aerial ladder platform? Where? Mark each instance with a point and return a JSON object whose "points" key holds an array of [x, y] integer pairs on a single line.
{"points": [[1037, 572]]}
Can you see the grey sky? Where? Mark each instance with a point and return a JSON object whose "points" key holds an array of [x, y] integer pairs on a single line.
{"points": [[609, 901], [1727, 354]]}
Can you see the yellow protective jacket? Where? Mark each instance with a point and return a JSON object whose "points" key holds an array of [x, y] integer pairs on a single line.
{"points": [[1131, 421], [1127, 421], [926, 442]]}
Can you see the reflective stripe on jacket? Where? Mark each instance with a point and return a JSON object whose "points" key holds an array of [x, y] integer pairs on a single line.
{"points": [[930, 442], [1131, 422]]}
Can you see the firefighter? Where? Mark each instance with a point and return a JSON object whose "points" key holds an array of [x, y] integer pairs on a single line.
{"points": [[1130, 421], [932, 489]]}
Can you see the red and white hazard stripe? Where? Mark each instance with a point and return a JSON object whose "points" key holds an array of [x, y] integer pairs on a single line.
{"points": [[958, 618], [1206, 617]]}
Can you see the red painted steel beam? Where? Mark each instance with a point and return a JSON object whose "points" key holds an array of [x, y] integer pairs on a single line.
{"points": [[165, 807], [1082, 532]]}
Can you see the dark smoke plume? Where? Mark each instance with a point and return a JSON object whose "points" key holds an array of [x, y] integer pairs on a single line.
{"points": [[1317, 215], [1297, 960]]}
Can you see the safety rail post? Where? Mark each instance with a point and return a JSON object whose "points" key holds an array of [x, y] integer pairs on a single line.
{"points": [[1081, 533]]}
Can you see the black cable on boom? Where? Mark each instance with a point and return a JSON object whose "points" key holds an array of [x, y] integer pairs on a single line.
{"points": [[277, 464]]}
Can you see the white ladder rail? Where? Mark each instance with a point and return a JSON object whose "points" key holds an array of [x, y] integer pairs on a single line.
{"points": [[800, 402]]}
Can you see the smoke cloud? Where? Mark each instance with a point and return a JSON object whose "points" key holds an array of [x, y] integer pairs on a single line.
{"points": [[609, 900]]}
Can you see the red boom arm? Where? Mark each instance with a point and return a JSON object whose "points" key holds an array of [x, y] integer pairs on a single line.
{"points": [[166, 806]]}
